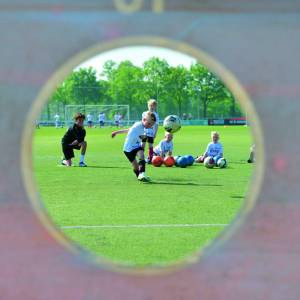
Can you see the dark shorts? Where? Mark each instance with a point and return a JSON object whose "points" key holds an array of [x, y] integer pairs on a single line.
{"points": [[90, 122], [132, 154], [101, 123], [148, 139], [68, 151]]}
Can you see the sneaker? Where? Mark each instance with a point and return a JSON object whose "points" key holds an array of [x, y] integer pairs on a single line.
{"points": [[142, 177], [82, 164], [64, 163]]}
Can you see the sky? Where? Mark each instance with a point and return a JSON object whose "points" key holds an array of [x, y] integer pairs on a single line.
{"points": [[137, 55]]}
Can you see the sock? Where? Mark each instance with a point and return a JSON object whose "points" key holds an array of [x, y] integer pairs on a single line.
{"points": [[150, 153], [82, 158], [136, 172], [141, 165]]}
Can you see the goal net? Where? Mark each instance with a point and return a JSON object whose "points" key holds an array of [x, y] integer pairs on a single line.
{"points": [[109, 112]]}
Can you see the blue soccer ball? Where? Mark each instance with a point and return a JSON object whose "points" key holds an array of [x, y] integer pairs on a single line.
{"points": [[176, 160], [190, 159], [182, 162]]}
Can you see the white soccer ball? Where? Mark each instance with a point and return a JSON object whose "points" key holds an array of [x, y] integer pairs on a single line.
{"points": [[172, 123], [222, 163], [209, 162]]}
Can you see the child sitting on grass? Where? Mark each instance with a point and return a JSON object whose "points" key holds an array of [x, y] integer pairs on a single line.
{"points": [[165, 146], [213, 149]]}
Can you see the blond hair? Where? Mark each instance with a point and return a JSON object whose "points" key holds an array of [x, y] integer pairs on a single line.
{"points": [[149, 115], [214, 133], [151, 102]]}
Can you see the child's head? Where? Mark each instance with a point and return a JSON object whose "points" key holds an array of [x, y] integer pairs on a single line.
{"points": [[168, 136], [149, 119], [152, 105], [79, 119], [215, 136]]}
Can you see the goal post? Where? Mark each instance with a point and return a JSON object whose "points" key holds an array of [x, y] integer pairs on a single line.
{"points": [[95, 110]]}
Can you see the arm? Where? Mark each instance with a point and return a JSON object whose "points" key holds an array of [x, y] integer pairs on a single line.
{"points": [[114, 133], [205, 154], [74, 143], [155, 129], [221, 151], [170, 150]]}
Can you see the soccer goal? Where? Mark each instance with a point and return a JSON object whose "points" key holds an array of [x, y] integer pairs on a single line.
{"points": [[94, 111]]}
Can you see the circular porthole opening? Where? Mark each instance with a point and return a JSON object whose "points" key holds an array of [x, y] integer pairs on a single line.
{"points": [[103, 209]]}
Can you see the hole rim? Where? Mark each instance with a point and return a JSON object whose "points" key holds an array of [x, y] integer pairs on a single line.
{"points": [[231, 82]]}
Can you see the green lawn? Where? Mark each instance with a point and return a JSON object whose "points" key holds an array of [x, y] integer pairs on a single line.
{"points": [[107, 193]]}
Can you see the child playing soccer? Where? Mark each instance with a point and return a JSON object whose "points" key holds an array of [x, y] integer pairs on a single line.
{"points": [[165, 146], [213, 149], [132, 146], [74, 139], [151, 132]]}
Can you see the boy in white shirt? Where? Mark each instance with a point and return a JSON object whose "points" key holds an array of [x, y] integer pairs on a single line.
{"points": [[89, 120], [165, 146], [132, 146], [117, 119], [56, 118], [213, 149], [151, 132], [101, 118]]}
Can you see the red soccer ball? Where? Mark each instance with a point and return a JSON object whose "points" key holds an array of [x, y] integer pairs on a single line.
{"points": [[157, 161], [169, 161]]}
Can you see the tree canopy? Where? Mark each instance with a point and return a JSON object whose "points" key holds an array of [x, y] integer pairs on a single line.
{"points": [[193, 91]]}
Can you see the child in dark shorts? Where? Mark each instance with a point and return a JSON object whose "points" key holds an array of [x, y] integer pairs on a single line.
{"points": [[132, 146], [74, 139]]}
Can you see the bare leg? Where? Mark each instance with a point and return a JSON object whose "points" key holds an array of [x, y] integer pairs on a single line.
{"points": [[83, 146], [200, 159], [135, 168], [150, 152], [141, 163]]}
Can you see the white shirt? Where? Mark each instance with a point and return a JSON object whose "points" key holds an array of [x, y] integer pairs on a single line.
{"points": [[56, 118], [102, 117], [117, 117], [151, 131], [134, 137], [89, 117], [214, 149], [163, 147]]}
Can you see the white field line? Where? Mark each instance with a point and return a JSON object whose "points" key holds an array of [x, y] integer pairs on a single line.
{"points": [[142, 226]]}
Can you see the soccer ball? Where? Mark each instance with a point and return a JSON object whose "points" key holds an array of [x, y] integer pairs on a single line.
{"points": [[169, 161], [209, 162], [182, 162], [157, 161], [176, 160], [222, 163], [190, 159], [172, 123]]}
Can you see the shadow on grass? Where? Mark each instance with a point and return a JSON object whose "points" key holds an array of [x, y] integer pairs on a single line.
{"points": [[240, 162], [181, 183], [237, 197], [104, 167]]}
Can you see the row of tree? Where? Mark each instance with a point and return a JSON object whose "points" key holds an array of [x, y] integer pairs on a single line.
{"points": [[195, 91]]}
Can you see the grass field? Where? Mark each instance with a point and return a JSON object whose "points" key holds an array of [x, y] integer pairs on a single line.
{"points": [[137, 223]]}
